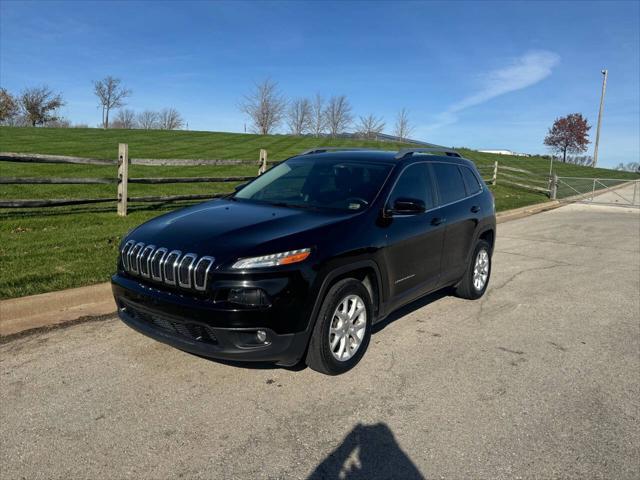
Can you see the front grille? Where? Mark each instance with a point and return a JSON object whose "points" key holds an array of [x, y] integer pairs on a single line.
{"points": [[191, 331], [168, 267]]}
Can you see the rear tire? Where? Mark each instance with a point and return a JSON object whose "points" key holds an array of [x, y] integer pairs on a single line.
{"points": [[476, 278], [343, 328]]}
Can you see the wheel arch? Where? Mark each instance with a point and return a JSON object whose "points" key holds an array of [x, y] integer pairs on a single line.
{"points": [[489, 236], [367, 271]]}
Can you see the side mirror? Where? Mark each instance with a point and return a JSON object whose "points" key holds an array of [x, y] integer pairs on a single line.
{"points": [[408, 206]]}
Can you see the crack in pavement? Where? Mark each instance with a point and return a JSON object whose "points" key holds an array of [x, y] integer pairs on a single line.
{"points": [[557, 262], [491, 292]]}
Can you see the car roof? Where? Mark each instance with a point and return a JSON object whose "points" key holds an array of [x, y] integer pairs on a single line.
{"points": [[387, 156]]}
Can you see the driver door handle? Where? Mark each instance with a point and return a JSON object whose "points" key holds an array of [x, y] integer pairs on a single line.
{"points": [[438, 221]]}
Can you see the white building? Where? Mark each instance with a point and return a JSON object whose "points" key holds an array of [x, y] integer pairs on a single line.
{"points": [[506, 152]]}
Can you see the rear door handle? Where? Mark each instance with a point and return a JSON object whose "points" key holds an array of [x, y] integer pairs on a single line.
{"points": [[475, 209], [438, 221]]}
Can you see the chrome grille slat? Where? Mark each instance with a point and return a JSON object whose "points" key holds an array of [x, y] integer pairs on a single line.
{"points": [[155, 264], [168, 267], [205, 264], [143, 260], [187, 263], [133, 257], [124, 253]]}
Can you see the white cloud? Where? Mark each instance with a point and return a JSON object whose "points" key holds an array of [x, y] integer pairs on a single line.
{"points": [[523, 72]]}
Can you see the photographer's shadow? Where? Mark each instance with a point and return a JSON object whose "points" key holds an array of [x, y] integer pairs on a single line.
{"points": [[368, 452]]}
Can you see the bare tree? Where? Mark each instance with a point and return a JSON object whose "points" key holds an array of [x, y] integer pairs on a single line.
{"points": [[39, 105], [147, 120], [299, 116], [110, 95], [318, 118], [403, 127], [338, 115], [370, 126], [265, 106], [9, 107], [170, 119], [629, 167], [124, 119]]}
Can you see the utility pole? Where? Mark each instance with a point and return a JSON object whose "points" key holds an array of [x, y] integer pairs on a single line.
{"points": [[604, 89]]}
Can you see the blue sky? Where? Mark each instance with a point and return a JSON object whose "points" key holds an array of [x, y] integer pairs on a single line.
{"points": [[476, 74]]}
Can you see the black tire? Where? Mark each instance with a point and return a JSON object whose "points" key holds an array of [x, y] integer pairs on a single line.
{"points": [[319, 355], [465, 288]]}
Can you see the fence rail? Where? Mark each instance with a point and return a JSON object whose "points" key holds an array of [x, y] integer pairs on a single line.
{"points": [[45, 158], [525, 179], [81, 201], [121, 179], [89, 181]]}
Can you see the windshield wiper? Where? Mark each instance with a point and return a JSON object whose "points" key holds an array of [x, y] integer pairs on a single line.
{"points": [[294, 205]]}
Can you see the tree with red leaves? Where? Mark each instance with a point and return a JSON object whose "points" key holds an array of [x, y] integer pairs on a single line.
{"points": [[569, 134]]}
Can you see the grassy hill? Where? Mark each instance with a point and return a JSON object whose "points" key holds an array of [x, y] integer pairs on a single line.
{"points": [[49, 249]]}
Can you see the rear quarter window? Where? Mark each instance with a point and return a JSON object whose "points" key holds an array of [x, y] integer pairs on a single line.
{"points": [[470, 180], [450, 183]]}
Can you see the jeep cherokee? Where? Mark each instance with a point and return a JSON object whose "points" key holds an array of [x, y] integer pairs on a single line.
{"points": [[299, 263]]}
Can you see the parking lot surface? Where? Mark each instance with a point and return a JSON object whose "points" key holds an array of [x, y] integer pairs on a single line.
{"points": [[540, 378]]}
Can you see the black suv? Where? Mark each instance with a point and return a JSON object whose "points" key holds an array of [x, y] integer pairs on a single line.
{"points": [[299, 263]]}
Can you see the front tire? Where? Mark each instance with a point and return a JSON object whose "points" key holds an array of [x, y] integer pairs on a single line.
{"points": [[343, 329], [476, 278]]}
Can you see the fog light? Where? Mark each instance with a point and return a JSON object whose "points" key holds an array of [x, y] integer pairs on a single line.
{"points": [[261, 336]]}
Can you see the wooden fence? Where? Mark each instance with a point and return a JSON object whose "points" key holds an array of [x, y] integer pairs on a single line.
{"points": [[122, 179], [520, 178], [493, 175]]}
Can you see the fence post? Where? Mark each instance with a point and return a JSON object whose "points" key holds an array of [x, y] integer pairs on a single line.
{"points": [[554, 187], [123, 177], [593, 192], [494, 179], [262, 162]]}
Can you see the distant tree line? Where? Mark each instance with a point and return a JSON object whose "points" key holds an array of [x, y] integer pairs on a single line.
{"points": [[40, 106], [267, 109], [629, 167]]}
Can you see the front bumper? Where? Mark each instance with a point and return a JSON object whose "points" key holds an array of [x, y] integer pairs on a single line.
{"points": [[178, 322]]}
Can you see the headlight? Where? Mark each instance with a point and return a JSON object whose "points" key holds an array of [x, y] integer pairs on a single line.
{"points": [[273, 260]]}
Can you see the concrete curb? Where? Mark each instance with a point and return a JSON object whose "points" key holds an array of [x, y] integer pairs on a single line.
{"points": [[19, 315], [54, 308]]}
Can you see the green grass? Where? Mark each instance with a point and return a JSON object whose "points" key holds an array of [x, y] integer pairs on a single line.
{"points": [[50, 249]]}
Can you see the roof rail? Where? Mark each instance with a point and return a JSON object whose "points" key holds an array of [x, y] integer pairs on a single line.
{"points": [[405, 152], [329, 149]]}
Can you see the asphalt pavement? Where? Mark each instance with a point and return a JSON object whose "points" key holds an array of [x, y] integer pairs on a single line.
{"points": [[539, 379]]}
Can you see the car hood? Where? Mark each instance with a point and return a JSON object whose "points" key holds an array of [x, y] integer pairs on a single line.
{"points": [[231, 229]]}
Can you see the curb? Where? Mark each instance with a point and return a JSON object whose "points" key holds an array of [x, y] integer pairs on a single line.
{"points": [[55, 308], [19, 316], [522, 212]]}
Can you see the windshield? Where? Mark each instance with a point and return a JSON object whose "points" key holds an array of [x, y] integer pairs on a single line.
{"points": [[318, 183]]}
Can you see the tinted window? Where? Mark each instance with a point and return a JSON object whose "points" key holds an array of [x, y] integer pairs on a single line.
{"points": [[318, 182], [470, 180], [450, 183], [414, 182]]}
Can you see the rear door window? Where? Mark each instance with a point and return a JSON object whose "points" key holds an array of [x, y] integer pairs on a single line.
{"points": [[450, 183], [470, 180]]}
